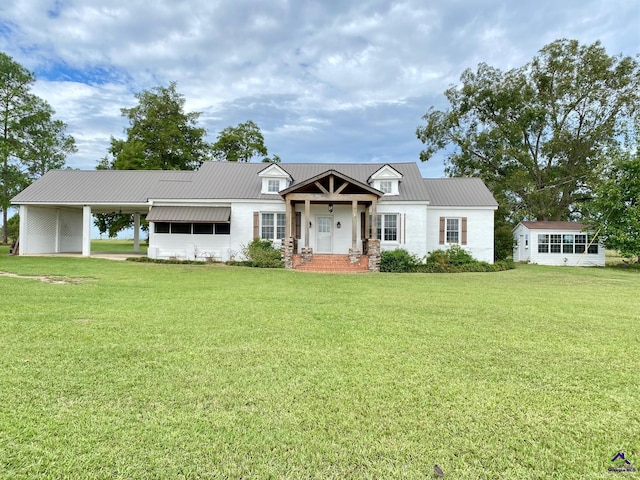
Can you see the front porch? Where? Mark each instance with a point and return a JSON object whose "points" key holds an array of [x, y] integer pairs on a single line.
{"points": [[349, 206]]}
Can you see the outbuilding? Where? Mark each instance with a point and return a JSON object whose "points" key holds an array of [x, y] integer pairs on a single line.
{"points": [[557, 243]]}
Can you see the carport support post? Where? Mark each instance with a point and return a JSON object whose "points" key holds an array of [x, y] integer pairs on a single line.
{"points": [[136, 232], [86, 231]]}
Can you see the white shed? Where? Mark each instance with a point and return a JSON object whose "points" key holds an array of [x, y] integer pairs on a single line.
{"points": [[557, 243]]}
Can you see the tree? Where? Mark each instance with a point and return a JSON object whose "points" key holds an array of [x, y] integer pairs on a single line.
{"points": [[538, 135], [31, 142], [160, 136], [46, 145], [241, 144], [616, 207]]}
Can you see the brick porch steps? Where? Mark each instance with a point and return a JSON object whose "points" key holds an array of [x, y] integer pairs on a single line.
{"points": [[328, 263]]}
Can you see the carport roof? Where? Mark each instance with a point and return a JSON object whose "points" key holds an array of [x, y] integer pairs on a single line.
{"points": [[104, 186]]}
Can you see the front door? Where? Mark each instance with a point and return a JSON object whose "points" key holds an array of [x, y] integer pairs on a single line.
{"points": [[324, 235]]}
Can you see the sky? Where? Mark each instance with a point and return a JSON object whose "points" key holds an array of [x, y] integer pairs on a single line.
{"points": [[326, 81]]}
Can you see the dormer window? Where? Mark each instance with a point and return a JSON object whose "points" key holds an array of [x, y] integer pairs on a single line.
{"points": [[387, 180], [386, 186], [274, 179], [273, 185]]}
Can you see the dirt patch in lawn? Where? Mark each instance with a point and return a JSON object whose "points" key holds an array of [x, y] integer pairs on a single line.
{"points": [[52, 279]]}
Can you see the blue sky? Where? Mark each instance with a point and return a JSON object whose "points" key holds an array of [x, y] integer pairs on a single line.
{"points": [[326, 81]]}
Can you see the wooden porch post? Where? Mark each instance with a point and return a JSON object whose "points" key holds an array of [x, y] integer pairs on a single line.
{"points": [[374, 223], [288, 218], [354, 224], [307, 218]]}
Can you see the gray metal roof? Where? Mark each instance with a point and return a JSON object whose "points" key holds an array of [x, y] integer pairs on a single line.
{"points": [[459, 192], [555, 225], [189, 214], [227, 180], [230, 180], [104, 186]]}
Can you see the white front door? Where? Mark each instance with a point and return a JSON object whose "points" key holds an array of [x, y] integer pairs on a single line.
{"points": [[324, 235]]}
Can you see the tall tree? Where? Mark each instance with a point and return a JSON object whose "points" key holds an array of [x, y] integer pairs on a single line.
{"points": [[46, 145], [241, 144], [615, 209], [31, 141], [538, 135], [160, 136]]}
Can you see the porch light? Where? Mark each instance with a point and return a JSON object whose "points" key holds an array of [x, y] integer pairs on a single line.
{"points": [[331, 208], [309, 223], [338, 225]]}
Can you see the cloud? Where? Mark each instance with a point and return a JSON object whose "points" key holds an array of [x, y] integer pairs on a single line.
{"points": [[335, 80]]}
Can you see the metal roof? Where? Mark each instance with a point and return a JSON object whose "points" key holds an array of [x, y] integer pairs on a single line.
{"points": [[104, 186], [189, 214], [231, 180], [459, 192], [555, 225]]}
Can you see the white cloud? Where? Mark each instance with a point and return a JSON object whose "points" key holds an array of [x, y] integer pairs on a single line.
{"points": [[321, 78]]}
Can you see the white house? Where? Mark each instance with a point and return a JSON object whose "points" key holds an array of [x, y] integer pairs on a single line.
{"points": [[557, 243], [306, 209]]}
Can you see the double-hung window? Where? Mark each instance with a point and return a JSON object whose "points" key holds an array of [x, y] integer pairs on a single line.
{"points": [[386, 186], [452, 232], [387, 227], [273, 226], [273, 186]]}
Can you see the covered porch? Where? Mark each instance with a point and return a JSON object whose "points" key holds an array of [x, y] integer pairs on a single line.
{"points": [[66, 228], [329, 214]]}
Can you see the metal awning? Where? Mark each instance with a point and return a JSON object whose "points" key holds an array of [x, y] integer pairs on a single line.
{"points": [[189, 214]]}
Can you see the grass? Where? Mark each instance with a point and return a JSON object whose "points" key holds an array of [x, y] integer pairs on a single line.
{"points": [[176, 371], [116, 246]]}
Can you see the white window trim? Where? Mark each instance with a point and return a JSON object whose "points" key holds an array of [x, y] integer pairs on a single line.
{"points": [[275, 225], [383, 227], [282, 184], [377, 184], [273, 182], [446, 230]]}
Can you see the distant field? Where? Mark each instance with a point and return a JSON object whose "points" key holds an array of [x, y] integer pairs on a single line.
{"points": [[128, 370], [116, 246]]}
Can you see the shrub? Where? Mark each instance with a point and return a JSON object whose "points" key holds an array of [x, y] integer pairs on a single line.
{"points": [[454, 255], [261, 253], [456, 259], [398, 261], [172, 261]]}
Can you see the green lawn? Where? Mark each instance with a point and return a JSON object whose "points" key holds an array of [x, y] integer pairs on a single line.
{"points": [[128, 370], [116, 246]]}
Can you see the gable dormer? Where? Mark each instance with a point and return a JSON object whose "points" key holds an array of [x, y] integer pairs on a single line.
{"points": [[386, 179], [274, 178]]}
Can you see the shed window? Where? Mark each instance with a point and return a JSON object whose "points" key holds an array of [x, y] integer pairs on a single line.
{"points": [[567, 243]]}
